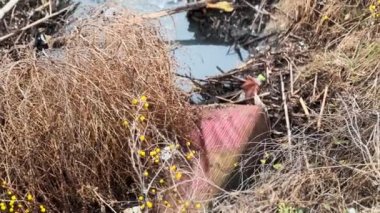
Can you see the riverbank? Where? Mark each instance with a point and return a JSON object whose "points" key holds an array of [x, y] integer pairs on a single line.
{"points": [[321, 94], [318, 67]]}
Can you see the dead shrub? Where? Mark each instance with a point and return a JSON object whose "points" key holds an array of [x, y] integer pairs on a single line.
{"points": [[74, 126]]}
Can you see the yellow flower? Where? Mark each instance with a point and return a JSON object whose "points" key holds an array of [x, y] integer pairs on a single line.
{"points": [[141, 198], [143, 98], [162, 181], [125, 123], [9, 192], [173, 168], [325, 18], [198, 206], [142, 206], [172, 146], [188, 143], [42, 208], [142, 153], [153, 153], [142, 118], [149, 204], [142, 137], [153, 191], [372, 8], [27, 211], [13, 197], [178, 175], [158, 150], [19, 206], [186, 204], [146, 173], [29, 197], [167, 204], [3, 207], [146, 106], [157, 160], [135, 101], [11, 203], [11, 210], [189, 155]]}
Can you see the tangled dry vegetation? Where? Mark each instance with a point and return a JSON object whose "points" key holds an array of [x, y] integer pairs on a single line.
{"points": [[84, 127], [330, 160]]}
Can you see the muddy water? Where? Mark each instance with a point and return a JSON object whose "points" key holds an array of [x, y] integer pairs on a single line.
{"points": [[194, 56]]}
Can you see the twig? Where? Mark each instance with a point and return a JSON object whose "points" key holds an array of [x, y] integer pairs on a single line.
{"points": [[263, 11], [7, 7], [314, 86], [103, 201], [290, 65], [42, 7], [304, 107], [50, 6], [38, 21], [168, 12], [286, 115], [322, 108], [224, 99]]}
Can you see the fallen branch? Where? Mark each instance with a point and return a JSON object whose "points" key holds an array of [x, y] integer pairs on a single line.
{"points": [[7, 7], [168, 12], [211, 4]]}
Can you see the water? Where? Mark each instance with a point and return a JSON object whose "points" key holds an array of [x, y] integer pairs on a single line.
{"points": [[194, 57]]}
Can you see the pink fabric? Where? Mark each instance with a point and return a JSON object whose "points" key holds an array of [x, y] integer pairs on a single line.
{"points": [[224, 134]]}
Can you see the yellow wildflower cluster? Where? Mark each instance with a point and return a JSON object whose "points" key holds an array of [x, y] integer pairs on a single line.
{"points": [[374, 9], [155, 154], [185, 205], [143, 102], [14, 203], [150, 155]]}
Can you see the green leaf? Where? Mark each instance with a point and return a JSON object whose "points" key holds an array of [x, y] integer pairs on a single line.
{"points": [[278, 166], [263, 161]]}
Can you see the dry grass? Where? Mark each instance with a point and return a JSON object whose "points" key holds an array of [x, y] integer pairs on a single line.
{"points": [[70, 125], [334, 167], [326, 23], [328, 173]]}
